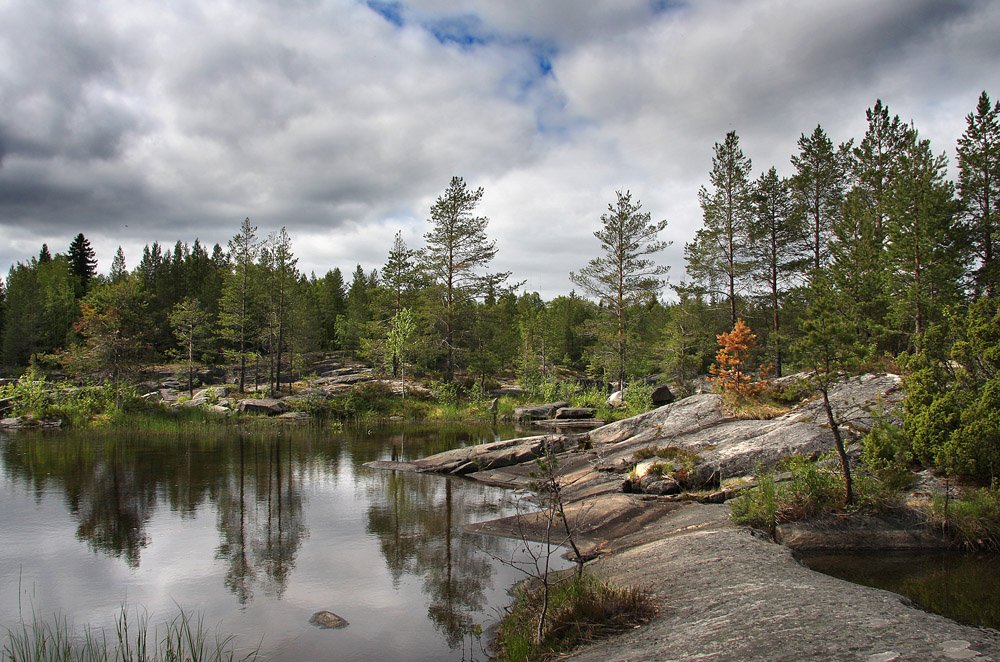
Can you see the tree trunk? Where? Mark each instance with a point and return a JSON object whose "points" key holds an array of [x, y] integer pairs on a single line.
{"points": [[845, 462]]}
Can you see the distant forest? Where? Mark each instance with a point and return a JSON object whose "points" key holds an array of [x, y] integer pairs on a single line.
{"points": [[869, 236]]}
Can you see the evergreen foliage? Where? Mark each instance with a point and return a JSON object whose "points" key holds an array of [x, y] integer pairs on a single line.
{"points": [[718, 257], [82, 263], [624, 274], [457, 252]]}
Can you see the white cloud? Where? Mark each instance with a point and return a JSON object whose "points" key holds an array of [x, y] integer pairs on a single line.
{"points": [[180, 119]]}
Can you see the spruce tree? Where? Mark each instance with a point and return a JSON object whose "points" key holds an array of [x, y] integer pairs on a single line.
{"points": [[118, 269], [979, 189], [83, 263], [624, 273]]}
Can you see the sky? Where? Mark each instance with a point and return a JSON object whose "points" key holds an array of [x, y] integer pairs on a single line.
{"points": [[134, 121]]}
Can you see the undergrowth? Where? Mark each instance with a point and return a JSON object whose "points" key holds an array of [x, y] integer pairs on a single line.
{"points": [[581, 609], [973, 519], [809, 490]]}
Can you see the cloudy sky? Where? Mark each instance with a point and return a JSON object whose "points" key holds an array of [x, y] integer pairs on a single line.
{"points": [[134, 121]]}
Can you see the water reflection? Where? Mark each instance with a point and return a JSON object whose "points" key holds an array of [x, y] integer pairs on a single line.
{"points": [[416, 520], [962, 587], [260, 517], [254, 527]]}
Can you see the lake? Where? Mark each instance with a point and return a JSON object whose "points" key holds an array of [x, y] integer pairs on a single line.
{"points": [[256, 531]]}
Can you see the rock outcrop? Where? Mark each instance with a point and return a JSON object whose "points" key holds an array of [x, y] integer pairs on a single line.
{"points": [[722, 446], [268, 406]]}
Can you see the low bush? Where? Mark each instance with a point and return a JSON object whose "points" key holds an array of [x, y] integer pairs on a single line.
{"points": [[580, 609]]}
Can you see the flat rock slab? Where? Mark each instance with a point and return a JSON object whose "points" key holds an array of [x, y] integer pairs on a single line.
{"points": [[723, 594]]}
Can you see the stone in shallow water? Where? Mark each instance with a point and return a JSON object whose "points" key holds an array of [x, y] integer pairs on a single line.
{"points": [[327, 620]]}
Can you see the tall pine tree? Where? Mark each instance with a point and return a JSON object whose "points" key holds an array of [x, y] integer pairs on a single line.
{"points": [[979, 189], [719, 250], [624, 273], [457, 254]]}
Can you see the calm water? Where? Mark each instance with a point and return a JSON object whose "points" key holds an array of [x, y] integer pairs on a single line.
{"points": [[256, 532], [962, 587]]}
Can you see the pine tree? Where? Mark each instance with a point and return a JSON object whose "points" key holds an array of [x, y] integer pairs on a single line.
{"points": [[829, 348], [189, 321], [732, 371], [44, 255], [237, 307], [875, 164], [818, 187], [775, 246], [283, 278], [118, 269], [457, 252], [719, 249], [979, 188], [624, 273], [923, 243], [83, 263]]}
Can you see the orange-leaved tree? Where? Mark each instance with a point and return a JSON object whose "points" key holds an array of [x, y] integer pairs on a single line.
{"points": [[732, 372]]}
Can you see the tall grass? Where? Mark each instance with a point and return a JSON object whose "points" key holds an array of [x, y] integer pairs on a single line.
{"points": [[183, 638]]}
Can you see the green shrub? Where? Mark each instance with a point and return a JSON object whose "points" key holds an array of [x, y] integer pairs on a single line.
{"points": [[758, 507], [886, 453], [812, 490], [974, 448], [638, 398]]}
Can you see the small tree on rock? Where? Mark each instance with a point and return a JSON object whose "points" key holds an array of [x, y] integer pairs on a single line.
{"points": [[732, 371]]}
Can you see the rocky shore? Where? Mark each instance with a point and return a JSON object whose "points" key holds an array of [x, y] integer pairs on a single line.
{"points": [[722, 593]]}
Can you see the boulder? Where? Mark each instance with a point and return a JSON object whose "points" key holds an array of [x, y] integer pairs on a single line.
{"points": [[327, 620], [294, 416], [211, 392], [662, 395], [268, 406], [575, 412], [538, 412], [616, 399], [661, 485]]}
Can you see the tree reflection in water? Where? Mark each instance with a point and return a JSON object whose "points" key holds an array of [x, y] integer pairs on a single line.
{"points": [[112, 484], [418, 523], [260, 517]]}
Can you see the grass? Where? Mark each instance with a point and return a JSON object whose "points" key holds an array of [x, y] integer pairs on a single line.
{"points": [[973, 520], [183, 638], [760, 409], [581, 609], [813, 489]]}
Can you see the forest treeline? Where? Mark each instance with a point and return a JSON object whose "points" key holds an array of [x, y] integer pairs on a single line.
{"points": [[869, 255]]}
